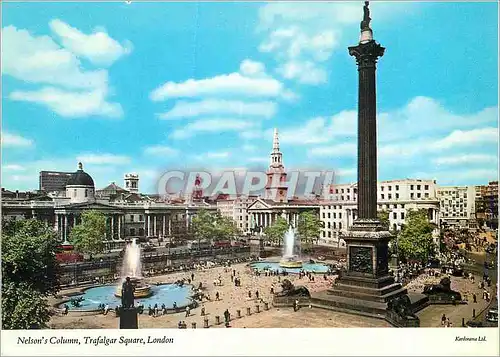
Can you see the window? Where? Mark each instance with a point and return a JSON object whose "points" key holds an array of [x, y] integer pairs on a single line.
{"points": [[381, 188], [329, 226], [426, 187], [342, 197], [419, 195], [402, 215], [411, 187], [323, 214], [141, 218], [74, 192], [382, 196], [334, 225], [336, 190], [340, 225], [329, 234], [132, 231], [348, 190], [402, 206], [86, 192], [131, 218], [141, 231], [340, 215], [329, 215], [389, 188], [342, 190], [397, 195], [397, 187], [394, 215], [412, 195], [394, 226], [334, 215], [418, 187], [348, 197], [389, 196], [323, 234], [427, 194]]}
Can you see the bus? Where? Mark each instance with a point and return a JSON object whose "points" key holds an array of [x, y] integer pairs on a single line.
{"points": [[222, 244], [199, 245], [66, 253]]}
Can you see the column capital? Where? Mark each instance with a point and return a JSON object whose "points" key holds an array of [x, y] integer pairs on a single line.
{"points": [[367, 54]]}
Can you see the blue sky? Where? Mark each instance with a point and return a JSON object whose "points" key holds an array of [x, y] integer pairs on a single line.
{"points": [[160, 86]]}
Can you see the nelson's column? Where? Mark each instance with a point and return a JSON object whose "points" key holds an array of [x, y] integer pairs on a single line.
{"points": [[367, 287]]}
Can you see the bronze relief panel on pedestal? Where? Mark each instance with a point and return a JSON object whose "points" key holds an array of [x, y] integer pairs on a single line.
{"points": [[361, 259]]}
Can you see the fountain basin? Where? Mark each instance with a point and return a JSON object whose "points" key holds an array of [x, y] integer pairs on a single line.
{"points": [[159, 294], [291, 262], [317, 268], [142, 290]]}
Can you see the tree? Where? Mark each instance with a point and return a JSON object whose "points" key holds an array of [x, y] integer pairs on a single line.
{"points": [[309, 228], [275, 233], [207, 225], [30, 273], [203, 225], [415, 239], [88, 236], [225, 228], [383, 217]]}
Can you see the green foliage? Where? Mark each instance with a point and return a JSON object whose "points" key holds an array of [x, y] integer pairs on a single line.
{"points": [[30, 273], [207, 225], [415, 239], [88, 236], [309, 227], [275, 233], [383, 217], [23, 308]]}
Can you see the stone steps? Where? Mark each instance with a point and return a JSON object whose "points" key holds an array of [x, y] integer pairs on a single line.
{"points": [[350, 304], [365, 290], [367, 295]]}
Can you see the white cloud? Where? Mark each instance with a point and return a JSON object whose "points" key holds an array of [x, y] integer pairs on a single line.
{"points": [[346, 172], [217, 155], [252, 68], [13, 167], [470, 137], [225, 84], [98, 47], [249, 148], [38, 59], [183, 109], [426, 116], [211, 126], [304, 35], [73, 91], [160, 150], [258, 159], [71, 104], [339, 150], [321, 130], [305, 72], [14, 140], [466, 159], [103, 159]]}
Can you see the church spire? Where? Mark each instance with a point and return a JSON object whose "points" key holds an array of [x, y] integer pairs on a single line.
{"points": [[276, 143]]}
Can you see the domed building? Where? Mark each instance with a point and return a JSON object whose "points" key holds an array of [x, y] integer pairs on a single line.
{"points": [[80, 187]]}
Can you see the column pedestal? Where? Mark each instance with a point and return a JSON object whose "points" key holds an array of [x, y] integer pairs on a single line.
{"points": [[129, 318]]}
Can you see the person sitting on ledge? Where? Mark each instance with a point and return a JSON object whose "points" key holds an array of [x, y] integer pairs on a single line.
{"points": [[179, 325]]}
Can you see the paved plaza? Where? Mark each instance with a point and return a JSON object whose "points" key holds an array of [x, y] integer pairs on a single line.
{"points": [[236, 298]]}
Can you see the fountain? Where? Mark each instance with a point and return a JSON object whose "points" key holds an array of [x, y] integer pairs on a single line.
{"points": [[289, 259], [132, 268]]}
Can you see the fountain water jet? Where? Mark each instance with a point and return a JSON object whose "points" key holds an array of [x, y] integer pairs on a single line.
{"points": [[132, 267], [290, 259]]}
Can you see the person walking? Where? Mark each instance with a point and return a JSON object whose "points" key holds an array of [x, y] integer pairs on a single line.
{"points": [[217, 296], [187, 311], [443, 320]]}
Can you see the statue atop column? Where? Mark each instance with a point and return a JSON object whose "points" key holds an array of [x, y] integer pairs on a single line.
{"points": [[128, 290], [365, 24]]}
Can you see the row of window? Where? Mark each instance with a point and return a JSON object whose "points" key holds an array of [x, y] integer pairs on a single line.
{"points": [[334, 215]]}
